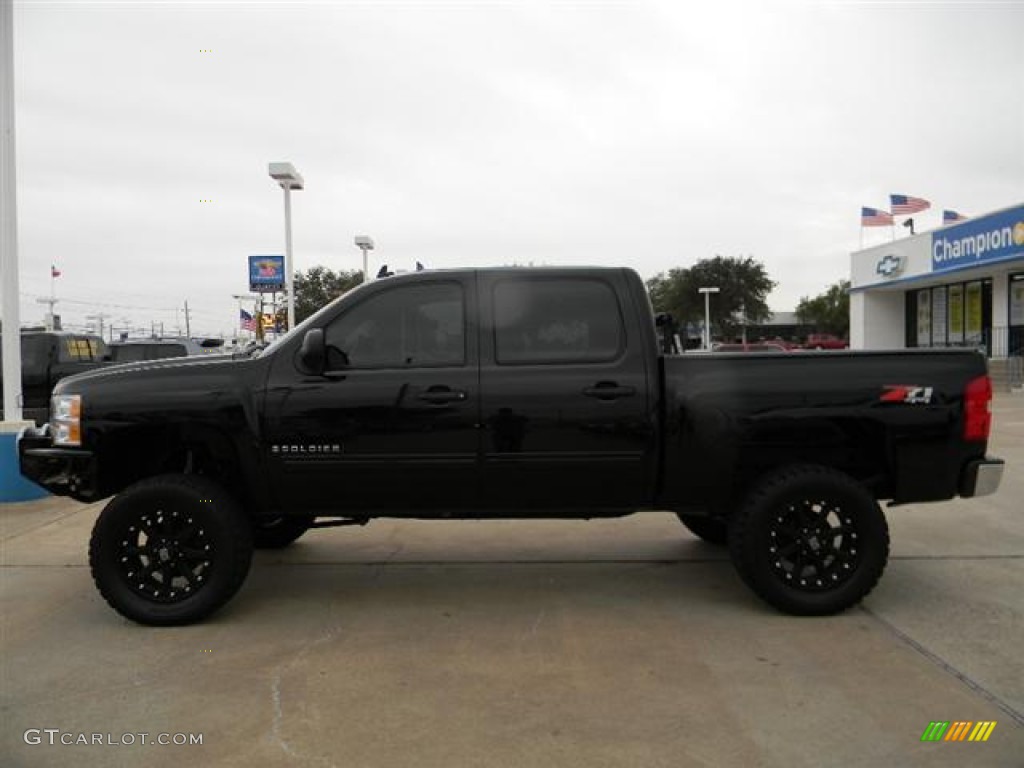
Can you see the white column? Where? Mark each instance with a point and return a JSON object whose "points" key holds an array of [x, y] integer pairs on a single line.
{"points": [[9, 223]]}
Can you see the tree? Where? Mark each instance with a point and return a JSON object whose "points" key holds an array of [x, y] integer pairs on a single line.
{"points": [[828, 312], [319, 286], [743, 286]]}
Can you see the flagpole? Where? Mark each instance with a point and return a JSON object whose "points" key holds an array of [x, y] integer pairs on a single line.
{"points": [[51, 321]]}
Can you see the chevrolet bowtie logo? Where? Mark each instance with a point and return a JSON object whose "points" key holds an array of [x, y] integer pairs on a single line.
{"points": [[890, 265]]}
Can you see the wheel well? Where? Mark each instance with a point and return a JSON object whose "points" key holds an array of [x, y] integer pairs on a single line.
{"points": [[184, 449], [855, 447]]}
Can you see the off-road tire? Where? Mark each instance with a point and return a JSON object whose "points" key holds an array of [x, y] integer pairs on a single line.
{"points": [[170, 550], [809, 540]]}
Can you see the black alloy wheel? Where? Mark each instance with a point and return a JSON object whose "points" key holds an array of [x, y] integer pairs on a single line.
{"points": [[810, 540], [170, 550]]}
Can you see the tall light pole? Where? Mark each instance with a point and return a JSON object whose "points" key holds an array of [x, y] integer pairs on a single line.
{"points": [[289, 179], [707, 313], [365, 244]]}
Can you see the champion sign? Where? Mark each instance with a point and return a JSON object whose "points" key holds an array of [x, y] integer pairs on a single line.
{"points": [[992, 238]]}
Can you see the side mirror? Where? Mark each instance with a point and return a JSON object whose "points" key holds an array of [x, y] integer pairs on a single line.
{"points": [[312, 354]]}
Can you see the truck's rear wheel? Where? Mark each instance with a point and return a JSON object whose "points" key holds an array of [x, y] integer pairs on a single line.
{"points": [[170, 550], [713, 530], [278, 532], [810, 540]]}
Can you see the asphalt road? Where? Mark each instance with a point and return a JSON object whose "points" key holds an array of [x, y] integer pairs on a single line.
{"points": [[609, 643]]}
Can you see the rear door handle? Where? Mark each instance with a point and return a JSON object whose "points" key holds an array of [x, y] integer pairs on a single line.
{"points": [[441, 395], [608, 390]]}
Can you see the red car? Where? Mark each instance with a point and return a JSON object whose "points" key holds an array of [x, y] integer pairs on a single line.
{"points": [[760, 346], [825, 341]]}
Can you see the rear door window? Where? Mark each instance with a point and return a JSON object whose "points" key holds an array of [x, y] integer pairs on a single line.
{"points": [[563, 320]]}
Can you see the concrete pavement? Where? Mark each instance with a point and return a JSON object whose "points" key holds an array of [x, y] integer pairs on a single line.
{"points": [[507, 643]]}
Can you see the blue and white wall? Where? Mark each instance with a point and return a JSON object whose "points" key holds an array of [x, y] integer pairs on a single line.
{"points": [[944, 277]]}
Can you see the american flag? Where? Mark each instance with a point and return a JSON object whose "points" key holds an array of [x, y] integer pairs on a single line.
{"points": [[872, 217], [950, 217], [248, 322], [904, 204]]}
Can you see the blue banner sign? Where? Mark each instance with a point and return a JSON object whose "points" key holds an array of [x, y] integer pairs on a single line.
{"points": [[266, 273], [991, 238]]}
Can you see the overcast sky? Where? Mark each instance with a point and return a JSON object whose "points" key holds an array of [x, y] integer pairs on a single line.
{"points": [[651, 134]]}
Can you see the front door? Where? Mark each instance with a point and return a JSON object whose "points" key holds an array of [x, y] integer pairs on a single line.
{"points": [[392, 424]]}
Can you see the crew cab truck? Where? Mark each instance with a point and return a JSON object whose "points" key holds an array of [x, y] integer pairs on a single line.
{"points": [[498, 393], [47, 357]]}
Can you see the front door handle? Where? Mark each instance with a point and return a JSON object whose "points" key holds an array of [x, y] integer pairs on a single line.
{"points": [[442, 395], [608, 390]]}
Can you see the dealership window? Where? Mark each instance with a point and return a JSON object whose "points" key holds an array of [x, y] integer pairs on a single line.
{"points": [[956, 315], [1016, 340], [955, 323]]}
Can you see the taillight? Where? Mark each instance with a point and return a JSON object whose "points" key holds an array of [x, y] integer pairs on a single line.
{"points": [[977, 416]]}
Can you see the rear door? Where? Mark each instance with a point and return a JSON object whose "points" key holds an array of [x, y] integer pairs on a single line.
{"points": [[566, 412]]}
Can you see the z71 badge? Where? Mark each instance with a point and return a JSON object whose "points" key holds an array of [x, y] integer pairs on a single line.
{"points": [[902, 393]]}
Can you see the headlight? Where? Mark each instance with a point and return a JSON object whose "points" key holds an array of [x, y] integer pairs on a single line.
{"points": [[66, 419]]}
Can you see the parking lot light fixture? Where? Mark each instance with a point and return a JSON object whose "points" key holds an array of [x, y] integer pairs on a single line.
{"points": [[289, 179], [365, 244], [707, 291]]}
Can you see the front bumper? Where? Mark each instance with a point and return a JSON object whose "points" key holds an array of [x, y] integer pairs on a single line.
{"points": [[981, 477], [61, 471]]}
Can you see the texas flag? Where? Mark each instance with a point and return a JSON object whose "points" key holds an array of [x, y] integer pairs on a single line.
{"points": [[54, 272], [951, 217]]}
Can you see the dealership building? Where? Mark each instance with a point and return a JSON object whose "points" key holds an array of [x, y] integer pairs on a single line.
{"points": [[961, 285]]}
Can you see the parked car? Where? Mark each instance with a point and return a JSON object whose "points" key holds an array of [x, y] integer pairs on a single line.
{"points": [[134, 350], [825, 341], [47, 357], [502, 393], [753, 346]]}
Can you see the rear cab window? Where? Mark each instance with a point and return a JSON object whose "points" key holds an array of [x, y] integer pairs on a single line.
{"points": [[81, 349], [556, 320]]}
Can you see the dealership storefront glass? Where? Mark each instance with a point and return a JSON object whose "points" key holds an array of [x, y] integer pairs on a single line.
{"points": [[950, 315]]}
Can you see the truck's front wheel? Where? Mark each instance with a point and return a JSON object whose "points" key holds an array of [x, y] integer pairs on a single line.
{"points": [[810, 540], [170, 550]]}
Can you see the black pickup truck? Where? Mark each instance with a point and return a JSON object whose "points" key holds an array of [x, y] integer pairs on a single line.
{"points": [[49, 356], [496, 393]]}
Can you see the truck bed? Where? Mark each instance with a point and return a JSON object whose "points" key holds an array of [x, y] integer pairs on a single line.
{"points": [[890, 418]]}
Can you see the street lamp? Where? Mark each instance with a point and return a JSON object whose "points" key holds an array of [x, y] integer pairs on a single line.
{"points": [[707, 313], [289, 179], [364, 244]]}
